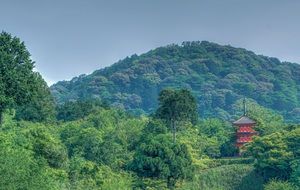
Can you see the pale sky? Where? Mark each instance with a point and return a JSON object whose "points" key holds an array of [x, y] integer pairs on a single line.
{"points": [[71, 37]]}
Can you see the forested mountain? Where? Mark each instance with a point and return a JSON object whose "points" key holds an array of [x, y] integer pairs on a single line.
{"points": [[217, 76], [88, 144]]}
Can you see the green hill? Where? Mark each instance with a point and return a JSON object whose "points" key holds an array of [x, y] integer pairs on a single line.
{"points": [[217, 75]]}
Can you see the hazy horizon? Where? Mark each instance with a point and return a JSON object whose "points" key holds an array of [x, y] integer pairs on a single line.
{"points": [[72, 37]]}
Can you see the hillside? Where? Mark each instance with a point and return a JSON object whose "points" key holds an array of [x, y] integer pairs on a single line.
{"points": [[217, 75]]}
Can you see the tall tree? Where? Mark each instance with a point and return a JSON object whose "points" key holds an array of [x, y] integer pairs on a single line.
{"points": [[176, 106], [19, 84], [158, 157]]}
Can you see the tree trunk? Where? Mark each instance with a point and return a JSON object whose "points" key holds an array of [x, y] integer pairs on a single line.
{"points": [[1, 117], [174, 130], [171, 183]]}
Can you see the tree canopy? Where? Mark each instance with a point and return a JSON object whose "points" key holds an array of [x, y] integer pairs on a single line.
{"points": [[176, 106], [158, 157], [20, 87]]}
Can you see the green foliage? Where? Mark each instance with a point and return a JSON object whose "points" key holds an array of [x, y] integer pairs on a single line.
{"points": [[109, 149], [229, 161], [295, 175], [276, 153], [272, 156], [21, 169], [33, 155], [196, 145], [87, 175], [41, 106], [227, 177], [20, 86], [279, 185], [77, 110], [46, 145], [104, 137], [159, 158], [176, 106], [154, 127], [217, 75], [220, 137], [210, 137]]}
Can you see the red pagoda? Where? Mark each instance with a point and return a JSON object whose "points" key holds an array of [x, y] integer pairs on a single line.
{"points": [[245, 131]]}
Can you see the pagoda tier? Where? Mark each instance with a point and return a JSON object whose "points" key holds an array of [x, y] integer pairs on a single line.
{"points": [[244, 140], [245, 129]]}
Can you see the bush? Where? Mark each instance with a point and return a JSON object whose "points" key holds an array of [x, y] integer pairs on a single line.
{"points": [[229, 161], [233, 177], [279, 185], [85, 174]]}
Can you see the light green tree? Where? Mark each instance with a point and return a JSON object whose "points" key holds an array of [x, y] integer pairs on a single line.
{"points": [[273, 156]]}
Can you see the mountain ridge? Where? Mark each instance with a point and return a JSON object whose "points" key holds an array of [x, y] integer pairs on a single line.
{"points": [[218, 75]]}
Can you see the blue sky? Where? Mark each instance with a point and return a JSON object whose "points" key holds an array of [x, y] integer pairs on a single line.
{"points": [[71, 37]]}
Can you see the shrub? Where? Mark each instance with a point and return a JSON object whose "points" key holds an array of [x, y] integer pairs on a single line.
{"points": [[236, 177], [279, 185]]}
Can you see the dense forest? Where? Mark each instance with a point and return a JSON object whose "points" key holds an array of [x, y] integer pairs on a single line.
{"points": [[89, 141], [217, 75]]}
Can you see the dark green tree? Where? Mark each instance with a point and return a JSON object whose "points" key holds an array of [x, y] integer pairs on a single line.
{"points": [[295, 176], [19, 84], [78, 109], [41, 107], [159, 158], [176, 106]]}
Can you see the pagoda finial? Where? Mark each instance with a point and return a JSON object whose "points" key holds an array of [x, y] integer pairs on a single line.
{"points": [[245, 109]]}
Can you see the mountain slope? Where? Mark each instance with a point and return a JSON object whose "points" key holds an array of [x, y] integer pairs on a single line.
{"points": [[217, 75]]}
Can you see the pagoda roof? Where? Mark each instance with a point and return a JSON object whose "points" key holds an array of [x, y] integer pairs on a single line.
{"points": [[244, 120]]}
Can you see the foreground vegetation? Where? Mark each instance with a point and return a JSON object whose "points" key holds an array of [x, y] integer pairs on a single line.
{"points": [[88, 144], [109, 149]]}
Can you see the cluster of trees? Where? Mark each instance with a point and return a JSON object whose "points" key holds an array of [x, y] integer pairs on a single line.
{"points": [[217, 75], [107, 149], [88, 144], [278, 155], [62, 156]]}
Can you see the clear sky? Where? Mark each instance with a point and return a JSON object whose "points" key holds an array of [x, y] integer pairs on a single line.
{"points": [[71, 37]]}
